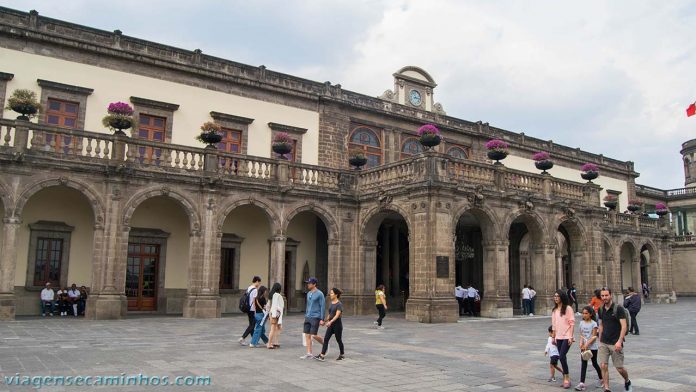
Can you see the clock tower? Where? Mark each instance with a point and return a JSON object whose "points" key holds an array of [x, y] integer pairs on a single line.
{"points": [[413, 87]]}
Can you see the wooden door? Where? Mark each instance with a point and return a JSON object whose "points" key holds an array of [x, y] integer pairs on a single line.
{"points": [[141, 276]]}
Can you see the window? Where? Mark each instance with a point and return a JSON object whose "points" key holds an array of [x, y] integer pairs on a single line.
{"points": [[228, 279], [151, 128], [49, 254], [61, 114], [291, 156], [457, 152], [231, 141], [366, 139], [411, 147]]}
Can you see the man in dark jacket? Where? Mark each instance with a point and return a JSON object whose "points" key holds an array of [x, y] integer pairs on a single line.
{"points": [[632, 304]]}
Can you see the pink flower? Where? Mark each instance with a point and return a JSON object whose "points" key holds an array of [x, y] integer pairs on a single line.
{"points": [[282, 138], [428, 129], [660, 207], [121, 108], [541, 156], [497, 144], [589, 167]]}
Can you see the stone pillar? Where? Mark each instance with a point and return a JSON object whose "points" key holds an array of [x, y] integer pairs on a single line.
{"points": [[544, 272], [277, 263], [203, 293], [394, 264], [431, 264], [8, 265], [107, 299], [362, 299], [335, 265], [496, 300], [635, 267]]}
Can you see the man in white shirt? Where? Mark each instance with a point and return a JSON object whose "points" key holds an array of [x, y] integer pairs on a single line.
{"points": [[252, 291], [459, 293], [526, 301], [472, 293], [74, 297], [48, 297]]}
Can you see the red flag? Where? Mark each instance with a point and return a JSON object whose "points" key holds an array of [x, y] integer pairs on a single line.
{"points": [[691, 110]]}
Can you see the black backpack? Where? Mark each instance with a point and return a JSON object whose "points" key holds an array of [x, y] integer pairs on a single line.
{"points": [[244, 305]]}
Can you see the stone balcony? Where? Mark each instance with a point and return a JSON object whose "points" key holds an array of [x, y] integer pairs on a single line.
{"points": [[79, 151]]}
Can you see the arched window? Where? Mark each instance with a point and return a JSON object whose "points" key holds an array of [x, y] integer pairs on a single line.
{"points": [[366, 139], [411, 147], [457, 152]]}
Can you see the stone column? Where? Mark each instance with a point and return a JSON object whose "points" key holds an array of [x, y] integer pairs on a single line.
{"points": [[8, 265], [394, 269], [362, 299], [635, 267], [277, 263], [544, 272], [496, 300], [107, 299], [335, 265], [203, 293]]}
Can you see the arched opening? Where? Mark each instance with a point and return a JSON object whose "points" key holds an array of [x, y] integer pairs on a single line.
{"points": [[157, 261], [306, 254], [387, 255], [244, 252], [564, 277], [525, 236], [368, 141], [411, 146], [57, 238], [468, 252], [647, 266], [627, 257]]}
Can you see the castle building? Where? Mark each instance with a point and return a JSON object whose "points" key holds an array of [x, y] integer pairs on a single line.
{"points": [[152, 220]]}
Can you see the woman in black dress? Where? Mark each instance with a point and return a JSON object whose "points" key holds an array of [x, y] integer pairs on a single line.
{"points": [[333, 324]]}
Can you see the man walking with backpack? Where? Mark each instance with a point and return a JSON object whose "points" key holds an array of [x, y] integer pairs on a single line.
{"points": [[246, 305], [612, 329], [632, 304]]}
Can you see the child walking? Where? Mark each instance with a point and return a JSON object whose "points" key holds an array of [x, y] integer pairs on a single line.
{"points": [[588, 341], [552, 351]]}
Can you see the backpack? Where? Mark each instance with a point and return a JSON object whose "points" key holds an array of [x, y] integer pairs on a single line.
{"points": [[244, 305]]}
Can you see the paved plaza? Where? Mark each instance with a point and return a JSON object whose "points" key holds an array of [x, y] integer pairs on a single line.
{"points": [[472, 355]]}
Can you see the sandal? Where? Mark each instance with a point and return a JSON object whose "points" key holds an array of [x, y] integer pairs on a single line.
{"points": [[276, 346]]}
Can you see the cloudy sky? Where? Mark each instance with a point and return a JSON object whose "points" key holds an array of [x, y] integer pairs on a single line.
{"points": [[612, 77]]}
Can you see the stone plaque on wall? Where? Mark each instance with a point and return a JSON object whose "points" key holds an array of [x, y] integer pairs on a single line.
{"points": [[442, 266]]}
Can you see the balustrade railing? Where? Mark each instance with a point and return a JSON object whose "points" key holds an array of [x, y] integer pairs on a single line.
{"points": [[164, 156], [470, 172], [567, 189], [244, 166], [7, 133], [70, 143], [387, 175], [625, 219], [681, 192], [523, 181], [645, 221], [687, 239], [313, 176]]}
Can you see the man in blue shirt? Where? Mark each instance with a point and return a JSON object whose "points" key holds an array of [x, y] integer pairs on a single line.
{"points": [[314, 315]]}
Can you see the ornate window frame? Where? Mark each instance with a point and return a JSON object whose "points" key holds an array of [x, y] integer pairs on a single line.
{"points": [[140, 235], [231, 241], [53, 230], [4, 78], [65, 92], [235, 123], [368, 149], [155, 108], [407, 139], [295, 133], [464, 149]]}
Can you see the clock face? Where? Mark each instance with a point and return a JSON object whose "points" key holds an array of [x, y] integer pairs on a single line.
{"points": [[414, 97]]}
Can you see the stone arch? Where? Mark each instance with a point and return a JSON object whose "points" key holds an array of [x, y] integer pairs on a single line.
{"points": [[629, 270], [139, 197], [490, 224], [576, 230], [370, 225], [418, 70], [325, 215], [92, 195], [230, 204], [534, 222]]}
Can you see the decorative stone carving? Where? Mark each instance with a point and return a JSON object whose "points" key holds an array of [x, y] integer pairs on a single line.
{"points": [[63, 180], [384, 199], [437, 108], [527, 204], [387, 95], [476, 198], [568, 212], [164, 191]]}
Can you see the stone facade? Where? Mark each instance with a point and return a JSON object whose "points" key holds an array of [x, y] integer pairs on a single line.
{"points": [[395, 223]]}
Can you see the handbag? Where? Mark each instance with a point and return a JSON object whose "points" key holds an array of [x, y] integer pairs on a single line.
{"points": [[586, 355]]}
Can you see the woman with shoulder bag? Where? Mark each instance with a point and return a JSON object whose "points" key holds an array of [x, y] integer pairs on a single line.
{"points": [[276, 315], [260, 315]]}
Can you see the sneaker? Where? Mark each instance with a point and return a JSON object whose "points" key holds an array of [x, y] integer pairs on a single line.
{"points": [[531, 314], [374, 322], [254, 345], [319, 358], [380, 327], [552, 379], [307, 356], [50, 314], [600, 384], [340, 357], [43, 314], [242, 342], [580, 387], [627, 386]]}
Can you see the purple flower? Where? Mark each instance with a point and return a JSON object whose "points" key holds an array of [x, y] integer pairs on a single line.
{"points": [[428, 129], [541, 156], [282, 138], [610, 197], [497, 144], [121, 108], [660, 207], [635, 203], [589, 167]]}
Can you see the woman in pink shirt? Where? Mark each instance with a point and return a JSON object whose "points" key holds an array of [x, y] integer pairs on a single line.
{"points": [[563, 322]]}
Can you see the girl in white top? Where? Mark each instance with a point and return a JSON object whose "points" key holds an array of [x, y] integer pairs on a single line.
{"points": [[588, 341], [276, 316]]}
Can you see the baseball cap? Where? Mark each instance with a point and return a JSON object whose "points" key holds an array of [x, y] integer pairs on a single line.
{"points": [[312, 280]]}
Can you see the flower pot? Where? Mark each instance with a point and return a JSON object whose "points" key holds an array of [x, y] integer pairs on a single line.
{"points": [[610, 205], [430, 140], [281, 149], [634, 208], [662, 212], [211, 138], [589, 175], [25, 110], [120, 123], [358, 162], [497, 155], [544, 165]]}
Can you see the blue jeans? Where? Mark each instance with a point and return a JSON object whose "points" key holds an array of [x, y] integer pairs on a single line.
{"points": [[259, 330], [47, 304], [526, 306]]}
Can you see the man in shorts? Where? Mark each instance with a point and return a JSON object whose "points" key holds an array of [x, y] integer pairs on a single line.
{"points": [[612, 329], [314, 315]]}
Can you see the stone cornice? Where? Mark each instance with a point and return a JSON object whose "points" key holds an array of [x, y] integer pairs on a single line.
{"points": [[6, 76], [286, 128], [154, 104], [231, 118], [64, 87]]}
